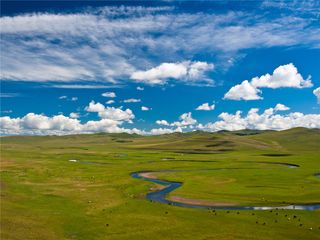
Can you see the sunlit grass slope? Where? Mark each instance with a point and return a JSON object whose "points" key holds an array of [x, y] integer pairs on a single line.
{"points": [[46, 196]]}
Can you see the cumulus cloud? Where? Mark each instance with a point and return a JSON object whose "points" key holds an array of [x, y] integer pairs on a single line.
{"points": [[35, 124], [281, 107], [95, 107], [283, 76], [39, 124], [109, 94], [116, 114], [160, 131], [243, 91], [183, 71], [140, 88], [132, 100], [162, 122], [63, 97], [186, 120], [74, 115], [205, 107], [316, 92], [269, 119]]}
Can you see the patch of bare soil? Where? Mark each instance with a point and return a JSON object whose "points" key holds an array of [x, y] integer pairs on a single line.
{"points": [[199, 202]]}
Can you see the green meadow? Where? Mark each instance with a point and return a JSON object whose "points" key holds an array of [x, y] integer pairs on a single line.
{"points": [[44, 195]]}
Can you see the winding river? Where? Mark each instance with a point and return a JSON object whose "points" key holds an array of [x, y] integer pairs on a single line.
{"points": [[160, 196]]}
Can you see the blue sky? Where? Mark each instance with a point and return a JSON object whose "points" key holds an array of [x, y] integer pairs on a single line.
{"points": [[205, 65]]}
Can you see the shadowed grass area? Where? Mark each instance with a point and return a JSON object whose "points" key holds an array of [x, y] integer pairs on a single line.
{"points": [[46, 196]]}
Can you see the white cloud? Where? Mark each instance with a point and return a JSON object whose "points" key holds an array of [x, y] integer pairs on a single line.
{"points": [[69, 99], [109, 94], [110, 102], [185, 120], [205, 107], [316, 92], [109, 44], [74, 115], [83, 86], [162, 122], [103, 125], [112, 113], [6, 111], [160, 131], [95, 107], [309, 6], [8, 95], [183, 71], [132, 100], [281, 107], [144, 108], [117, 114], [283, 76], [243, 91], [42, 122], [35, 124], [140, 88], [269, 119]]}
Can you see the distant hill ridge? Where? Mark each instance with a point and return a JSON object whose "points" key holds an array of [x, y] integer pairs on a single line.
{"points": [[243, 132], [197, 142]]}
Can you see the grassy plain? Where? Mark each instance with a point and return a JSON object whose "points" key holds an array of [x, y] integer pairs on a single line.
{"points": [[46, 196]]}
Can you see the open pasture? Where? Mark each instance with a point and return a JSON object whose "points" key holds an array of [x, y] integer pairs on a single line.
{"points": [[80, 187]]}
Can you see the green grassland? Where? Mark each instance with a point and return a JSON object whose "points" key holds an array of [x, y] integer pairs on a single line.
{"points": [[45, 196]]}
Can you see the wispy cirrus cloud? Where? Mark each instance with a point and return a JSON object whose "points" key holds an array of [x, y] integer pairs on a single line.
{"points": [[316, 92], [111, 44], [81, 86], [109, 94], [307, 6], [132, 100], [8, 95]]}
